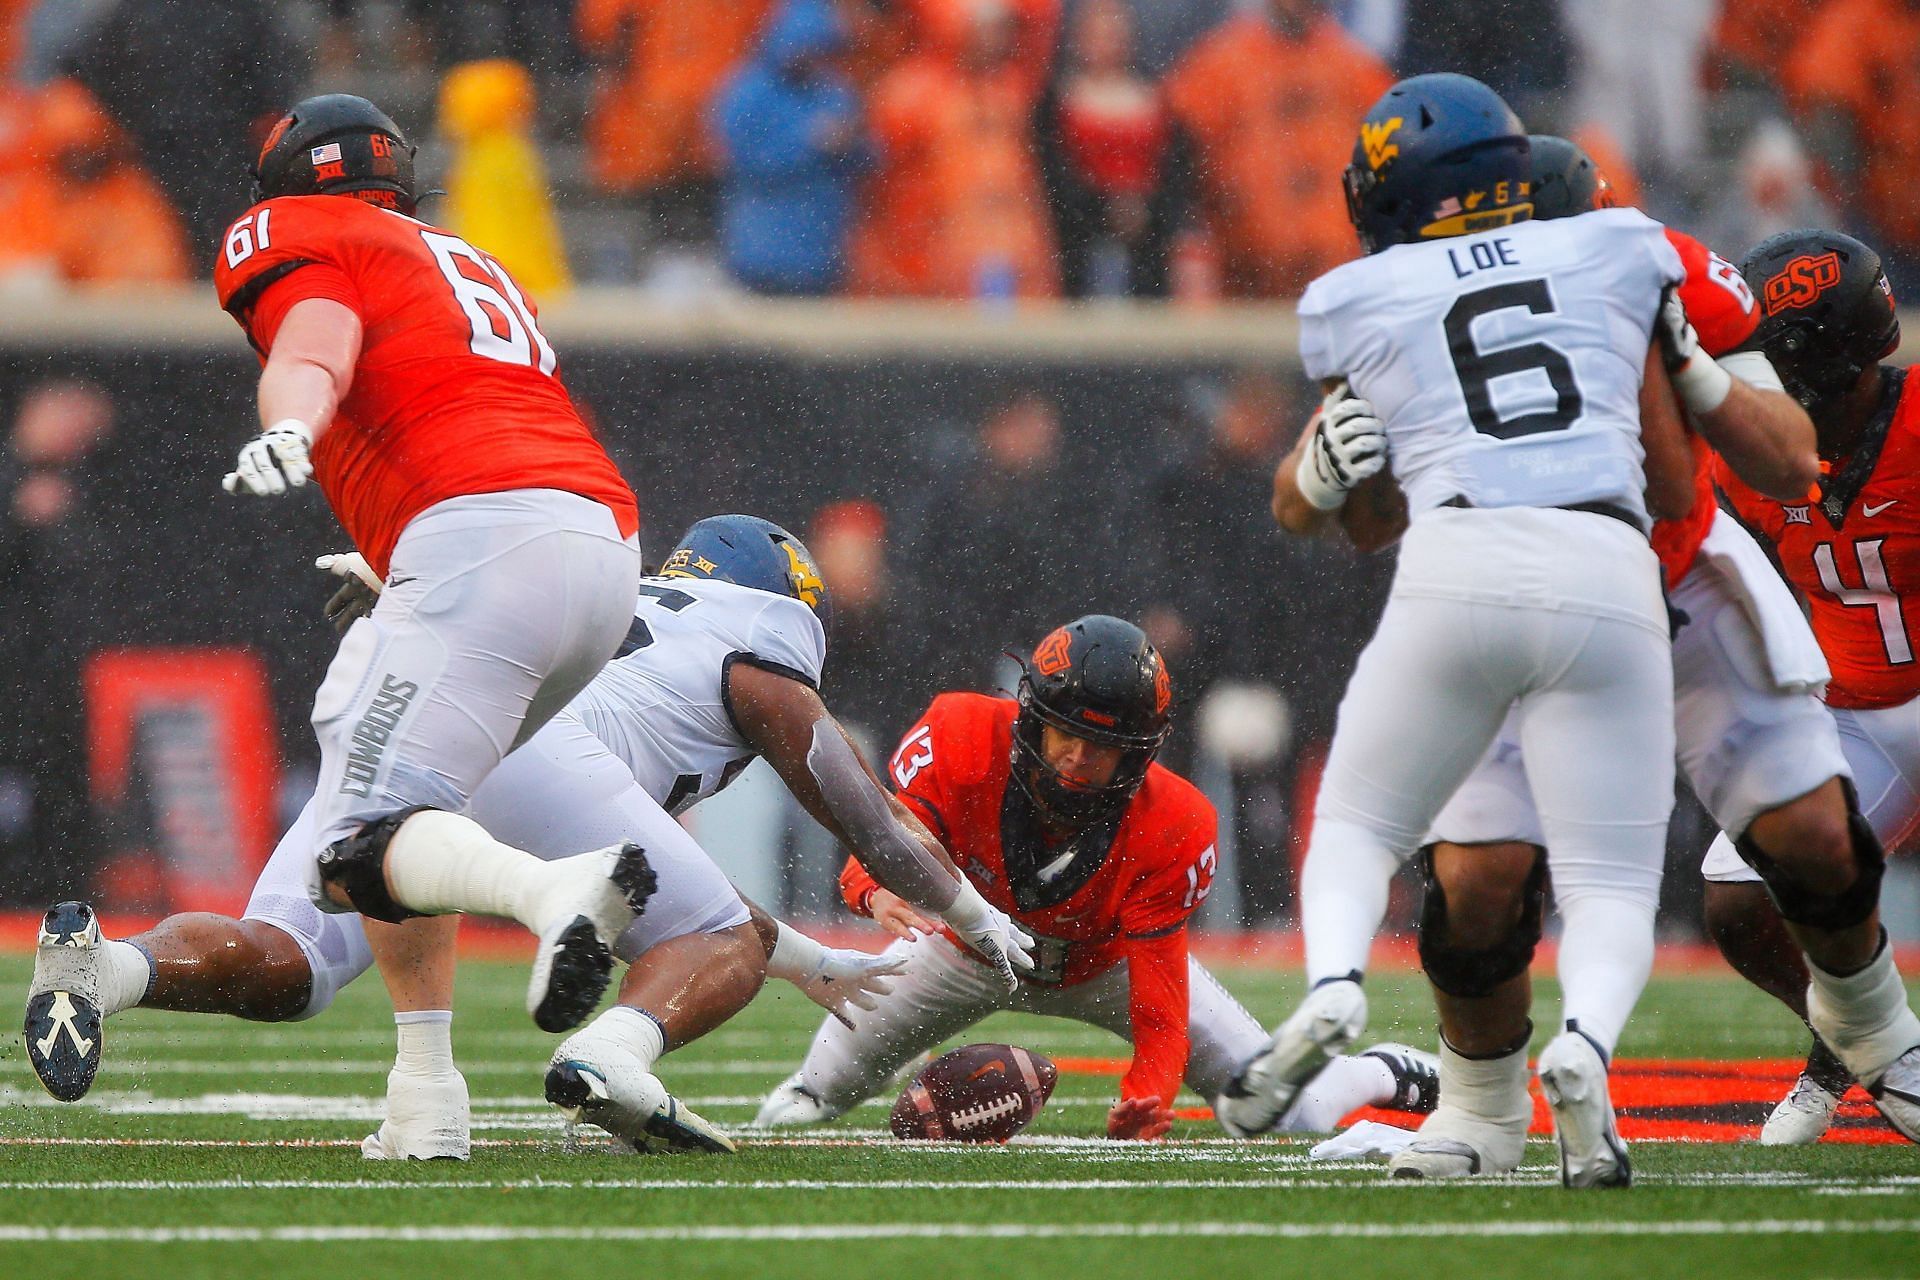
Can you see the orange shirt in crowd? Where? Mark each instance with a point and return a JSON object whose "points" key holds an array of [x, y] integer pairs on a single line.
{"points": [[955, 207], [1863, 57], [1760, 35], [77, 207], [1274, 121], [941, 26], [646, 125]]}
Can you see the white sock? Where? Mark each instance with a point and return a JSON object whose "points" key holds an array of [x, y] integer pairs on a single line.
{"points": [[126, 975], [635, 1030], [440, 862], [1347, 1084], [1343, 897], [1863, 1017], [426, 1041], [1606, 955]]}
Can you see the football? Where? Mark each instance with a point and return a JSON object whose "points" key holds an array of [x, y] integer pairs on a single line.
{"points": [[978, 1093]]}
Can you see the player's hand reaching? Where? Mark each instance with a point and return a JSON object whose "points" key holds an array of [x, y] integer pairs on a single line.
{"points": [[1348, 445], [897, 916], [991, 933], [359, 588], [843, 980], [1698, 380], [273, 461], [1139, 1120]]}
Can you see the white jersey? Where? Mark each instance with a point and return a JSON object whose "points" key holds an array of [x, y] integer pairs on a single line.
{"points": [[1506, 365], [661, 706]]}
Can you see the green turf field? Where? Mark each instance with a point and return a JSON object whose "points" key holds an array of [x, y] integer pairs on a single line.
{"points": [[185, 1161]]}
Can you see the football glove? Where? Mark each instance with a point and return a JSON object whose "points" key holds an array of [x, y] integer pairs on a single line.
{"points": [[1347, 444], [359, 589], [1700, 382], [991, 933], [842, 981], [273, 461]]}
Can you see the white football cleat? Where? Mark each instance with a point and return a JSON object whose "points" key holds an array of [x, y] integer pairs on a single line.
{"points": [[428, 1118], [1573, 1076], [1802, 1117], [595, 1081], [574, 962], [1897, 1094], [63, 1002], [1329, 1020], [790, 1104]]}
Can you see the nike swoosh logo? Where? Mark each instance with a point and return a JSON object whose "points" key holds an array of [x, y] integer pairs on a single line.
{"points": [[1873, 510]]}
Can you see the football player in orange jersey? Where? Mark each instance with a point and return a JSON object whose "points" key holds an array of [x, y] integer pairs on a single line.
{"points": [[1053, 807], [1853, 551]]}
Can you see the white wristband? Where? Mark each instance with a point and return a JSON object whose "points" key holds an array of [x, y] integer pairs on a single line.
{"points": [[294, 425], [1754, 369], [968, 910], [1703, 385], [796, 957]]}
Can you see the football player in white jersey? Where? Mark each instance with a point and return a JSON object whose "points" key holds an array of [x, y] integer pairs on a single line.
{"points": [[1531, 423], [720, 665]]}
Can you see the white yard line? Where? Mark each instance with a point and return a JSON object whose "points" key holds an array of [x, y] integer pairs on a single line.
{"points": [[797, 1232]]}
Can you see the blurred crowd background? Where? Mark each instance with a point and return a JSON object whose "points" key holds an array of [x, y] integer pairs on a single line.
{"points": [[933, 148], [960, 505]]}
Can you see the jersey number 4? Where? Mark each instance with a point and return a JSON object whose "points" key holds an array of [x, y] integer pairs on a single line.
{"points": [[1477, 369], [1874, 592], [503, 327]]}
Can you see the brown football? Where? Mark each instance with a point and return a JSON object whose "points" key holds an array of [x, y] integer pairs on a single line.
{"points": [[979, 1093]]}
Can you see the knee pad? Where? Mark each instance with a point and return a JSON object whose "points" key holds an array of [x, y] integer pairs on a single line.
{"points": [[357, 864], [1830, 911], [1475, 974]]}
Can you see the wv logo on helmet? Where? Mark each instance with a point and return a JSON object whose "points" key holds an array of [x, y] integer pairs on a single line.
{"points": [[1373, 139]]}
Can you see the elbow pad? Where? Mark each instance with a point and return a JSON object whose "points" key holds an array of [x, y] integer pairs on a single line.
{"points": [[883, 844]]}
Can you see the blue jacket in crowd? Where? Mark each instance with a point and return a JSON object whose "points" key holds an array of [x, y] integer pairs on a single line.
{"points": [[790, 124]]}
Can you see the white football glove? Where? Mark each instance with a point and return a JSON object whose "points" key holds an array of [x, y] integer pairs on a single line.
{"points": [[273, 461], [1348, 444], [844, 980], [1700, 382], [359, 588], [991, 933]]}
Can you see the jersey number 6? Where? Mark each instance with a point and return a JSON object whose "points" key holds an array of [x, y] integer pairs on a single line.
{"points": [[503, 327], [1477, 369]]}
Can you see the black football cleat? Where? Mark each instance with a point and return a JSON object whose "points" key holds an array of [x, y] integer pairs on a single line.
{"points": [[63, 1004], [1416, 1077]]}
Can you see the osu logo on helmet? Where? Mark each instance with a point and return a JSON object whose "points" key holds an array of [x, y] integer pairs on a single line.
{"points": [[1053, 656], [1162, 687], [1802, 281]]}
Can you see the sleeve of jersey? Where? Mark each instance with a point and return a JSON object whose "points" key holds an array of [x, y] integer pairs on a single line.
{"points": [[1157, 1010], [1316, 335], [279, 254], [787, 639], [1716, 296], [856, 888]]}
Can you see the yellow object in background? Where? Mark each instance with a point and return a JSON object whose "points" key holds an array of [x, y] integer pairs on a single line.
{"points": [[497, 197]]}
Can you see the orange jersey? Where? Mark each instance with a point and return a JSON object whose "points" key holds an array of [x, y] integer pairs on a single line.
{"points": [[456, 390], [1123, 892], [1855, 554], [1724, 314]]}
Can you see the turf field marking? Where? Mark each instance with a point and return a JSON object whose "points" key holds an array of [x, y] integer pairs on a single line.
{"points": [[22, 1232]]}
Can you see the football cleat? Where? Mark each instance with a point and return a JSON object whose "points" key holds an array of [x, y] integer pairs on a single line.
{"points": [[1329, 1020], [1436, 1158], [1416, 1077], [574, 962], [791, 1104], [595, 1081], [1897, 1094], [1573, 1076], [428, 1118], [1480, 1124], [1802, 1117], [63, 1027]]}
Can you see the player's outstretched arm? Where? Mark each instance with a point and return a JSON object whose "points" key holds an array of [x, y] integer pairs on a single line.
{"points": [[307, 374], [1740, 408], [836, 979], [786, 722], [1663, 438]]}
